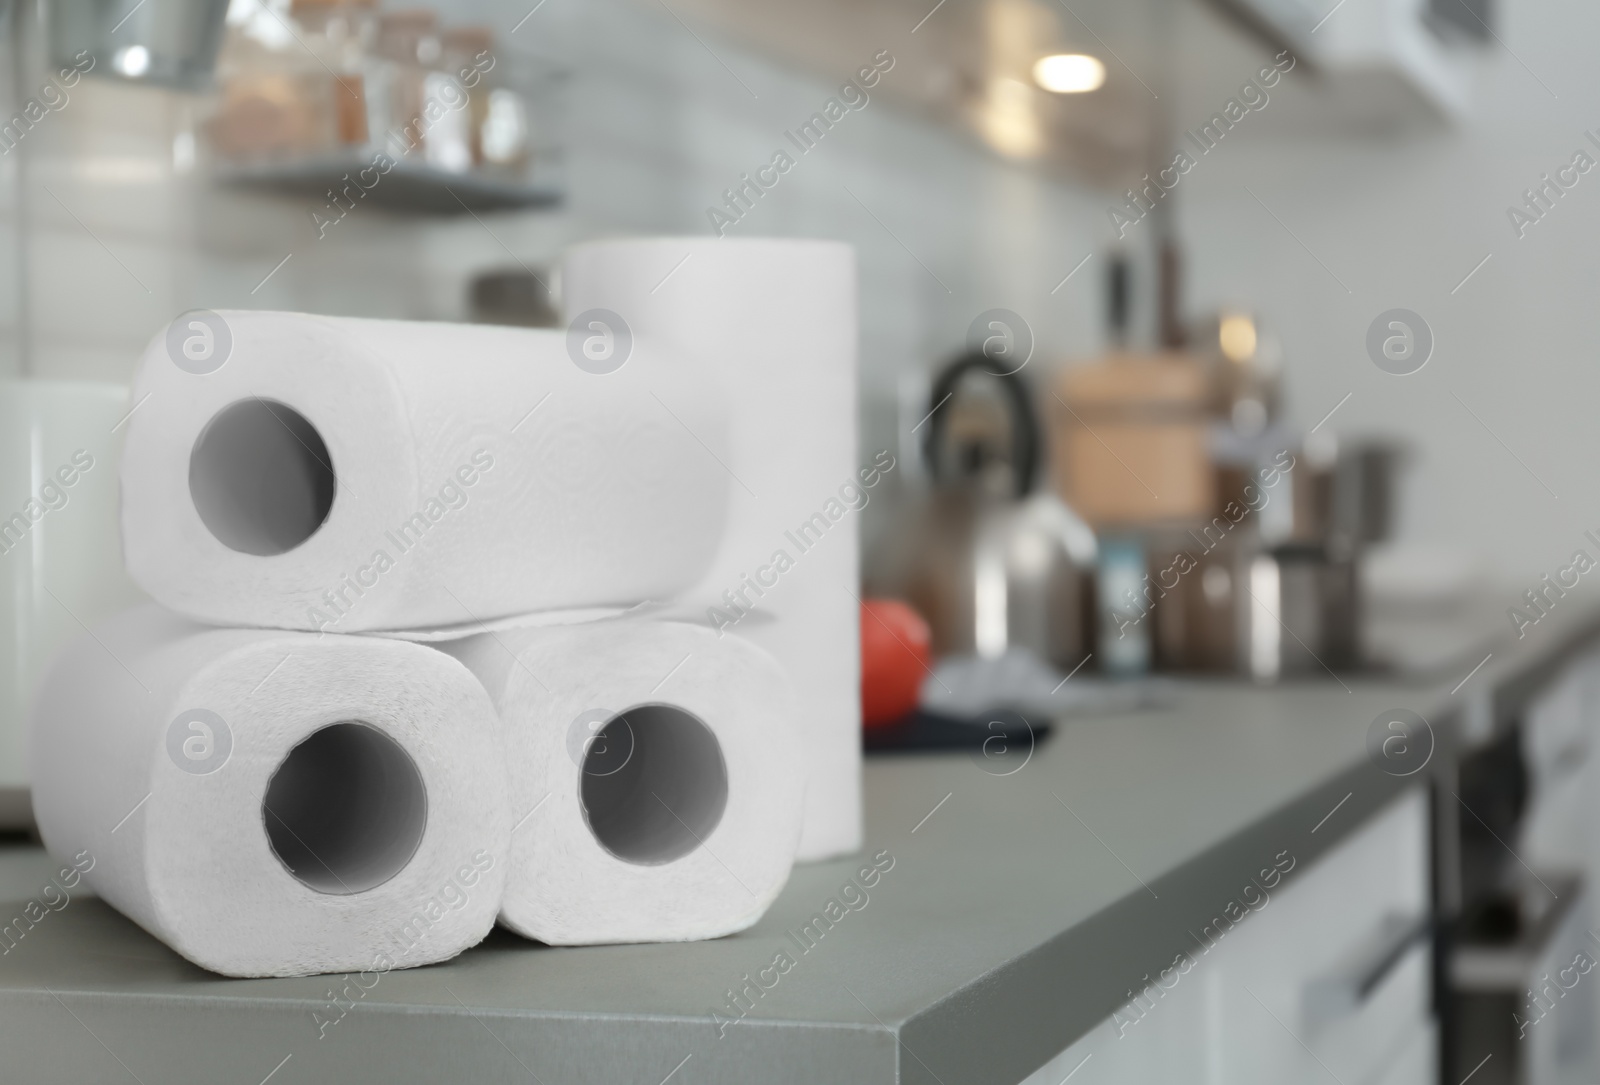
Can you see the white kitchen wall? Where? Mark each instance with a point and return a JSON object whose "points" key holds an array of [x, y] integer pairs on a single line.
{"points": [[125, 235], [1504, 414], [11, 258]]}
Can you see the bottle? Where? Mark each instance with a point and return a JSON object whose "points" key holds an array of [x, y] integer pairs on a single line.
{"points": [[404, 53], [1123, 610], [468, 57]]}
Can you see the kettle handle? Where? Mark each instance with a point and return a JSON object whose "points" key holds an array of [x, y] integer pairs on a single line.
{"points": [[1024, 425]]}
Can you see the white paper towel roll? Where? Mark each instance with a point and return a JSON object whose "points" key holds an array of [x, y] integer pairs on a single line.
{"points": [[776, 322], [272, 803], [59, 560], [348, 475], [656, 786]]}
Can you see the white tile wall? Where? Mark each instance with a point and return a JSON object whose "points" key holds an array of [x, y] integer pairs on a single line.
{"points": [[656, 129], [1402, 221]]}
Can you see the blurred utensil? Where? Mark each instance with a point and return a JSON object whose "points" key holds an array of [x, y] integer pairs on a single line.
{"points": [[1266, 612], [1131, 440], [986, 562], [513, 296], [1340, 494], [172, 43]]}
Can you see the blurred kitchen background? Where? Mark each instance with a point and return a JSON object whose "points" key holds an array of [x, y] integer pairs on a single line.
{"points": [[1375, 255], [1377, 176]]}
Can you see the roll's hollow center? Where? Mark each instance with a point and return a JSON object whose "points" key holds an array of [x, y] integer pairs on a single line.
{"points": [[654, 784], [260, 477], [346, 809]]}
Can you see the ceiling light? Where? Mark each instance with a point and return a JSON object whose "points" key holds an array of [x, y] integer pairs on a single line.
{"points": [[1069, 73], [1008, 120], [1237, 338], [133, 61]]}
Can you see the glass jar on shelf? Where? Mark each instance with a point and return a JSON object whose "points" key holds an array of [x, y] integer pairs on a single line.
{"points": [[499, 110], [456, 99], [274, 99], [522, 134], [292, 78], [506, 134], [470, 53], [405, 54], [339, 34]]}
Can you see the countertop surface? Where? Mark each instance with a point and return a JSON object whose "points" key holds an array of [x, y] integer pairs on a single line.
{"points": [[1019, 898]]}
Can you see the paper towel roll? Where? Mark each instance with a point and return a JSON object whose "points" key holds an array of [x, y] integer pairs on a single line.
{"points": [[59, 560], [775, 320], [271, 803], [348, 475], [655, 782]]}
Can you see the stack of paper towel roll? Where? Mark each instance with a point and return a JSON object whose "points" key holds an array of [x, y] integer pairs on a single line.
{"points": [[443, 628]]}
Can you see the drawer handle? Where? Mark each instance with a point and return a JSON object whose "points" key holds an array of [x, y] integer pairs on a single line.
{"points": [[1343, 990]]}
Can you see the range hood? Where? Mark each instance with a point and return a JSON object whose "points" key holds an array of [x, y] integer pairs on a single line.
{"points": [[1379, 63]]}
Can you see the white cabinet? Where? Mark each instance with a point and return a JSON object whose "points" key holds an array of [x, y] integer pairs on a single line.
{"points": [[1337, 924], [1418, 1061], [1167, 1044], [1328, 982], [1557, 734]]}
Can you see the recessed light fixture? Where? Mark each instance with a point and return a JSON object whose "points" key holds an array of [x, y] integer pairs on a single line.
{"points": [[1069, 73], [132, 62], [1237, 337]]}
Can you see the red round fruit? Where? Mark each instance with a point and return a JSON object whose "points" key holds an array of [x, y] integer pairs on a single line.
{"points": [[894, 660]]}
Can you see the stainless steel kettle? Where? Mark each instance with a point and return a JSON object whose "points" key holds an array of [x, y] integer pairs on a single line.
{"points": [[988, 562]]}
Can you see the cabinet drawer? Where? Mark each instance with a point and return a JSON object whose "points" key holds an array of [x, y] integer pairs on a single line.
{"points": [[1341, 924], [1322, 979], [1168, 1044]]}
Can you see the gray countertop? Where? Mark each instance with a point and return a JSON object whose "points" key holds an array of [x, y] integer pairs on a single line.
{"points": [[1018, 911]]}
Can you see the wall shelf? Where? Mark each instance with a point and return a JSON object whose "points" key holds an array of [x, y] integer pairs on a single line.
{"points": [[408, 187]]}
